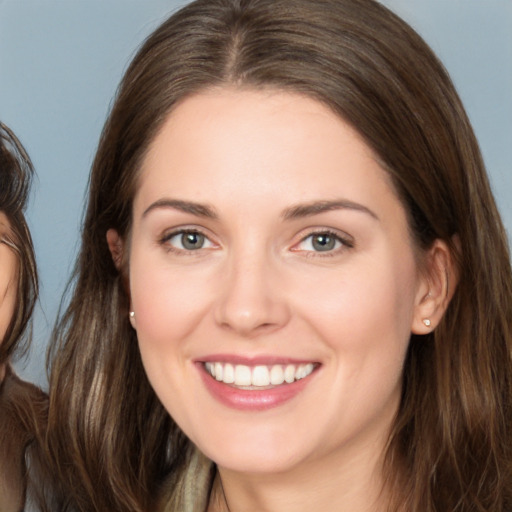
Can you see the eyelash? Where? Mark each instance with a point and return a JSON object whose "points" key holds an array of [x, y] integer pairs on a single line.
{"points": [[344, 241], [165, 239]]}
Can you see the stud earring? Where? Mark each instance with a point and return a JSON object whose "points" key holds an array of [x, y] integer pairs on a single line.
{"points": [[132, 314], [427, 322]]}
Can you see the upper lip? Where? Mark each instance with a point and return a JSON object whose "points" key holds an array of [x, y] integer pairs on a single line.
{"points": [[266, 360]]}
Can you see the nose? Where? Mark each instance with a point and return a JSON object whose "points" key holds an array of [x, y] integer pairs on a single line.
{"points": [[251, 301]]}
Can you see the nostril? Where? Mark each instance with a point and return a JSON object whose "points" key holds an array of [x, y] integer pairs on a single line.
{"points": [[249, 327], [250, 304]]}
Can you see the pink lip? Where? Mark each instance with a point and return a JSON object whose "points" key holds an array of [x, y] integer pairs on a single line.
{"points": [[251, 400], [251, 361]]}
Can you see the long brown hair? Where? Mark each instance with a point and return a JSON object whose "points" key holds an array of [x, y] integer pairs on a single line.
{"points": [[16, 172], [450, 448], [23, 407]]}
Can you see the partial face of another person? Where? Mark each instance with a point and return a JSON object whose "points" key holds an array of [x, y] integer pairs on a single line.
{"points": [[8, 273], [274, 281]]}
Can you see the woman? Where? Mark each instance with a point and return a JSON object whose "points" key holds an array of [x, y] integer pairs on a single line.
{"points": [[23, 407], [293, 290]]}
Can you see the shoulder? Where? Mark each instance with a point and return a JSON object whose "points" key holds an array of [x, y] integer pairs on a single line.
{"points": [[19, 393], [189, 489], [23, 405], [23, 412]]}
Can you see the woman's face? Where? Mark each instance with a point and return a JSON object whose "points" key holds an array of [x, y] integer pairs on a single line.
{"points": [[8, 272], [270, 249]]}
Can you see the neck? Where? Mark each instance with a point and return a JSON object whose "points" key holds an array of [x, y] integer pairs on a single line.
{"points": [[344, 483]]}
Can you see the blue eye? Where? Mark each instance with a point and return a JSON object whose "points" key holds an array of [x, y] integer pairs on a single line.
{"points": [[188, 241], [322, 242]]}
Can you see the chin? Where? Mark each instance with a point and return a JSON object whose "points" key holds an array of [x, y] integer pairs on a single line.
{"points": [[255, 463], [254, 453]]}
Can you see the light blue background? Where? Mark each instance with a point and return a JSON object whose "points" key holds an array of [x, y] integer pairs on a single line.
{"points": [[61, 61]]}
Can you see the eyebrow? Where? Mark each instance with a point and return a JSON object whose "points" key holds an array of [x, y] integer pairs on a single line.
{"points": [[198, 209], [317, 207], [294, 212]]}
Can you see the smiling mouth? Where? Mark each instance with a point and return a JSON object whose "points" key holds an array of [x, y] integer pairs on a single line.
{"points": [[259, 376]]}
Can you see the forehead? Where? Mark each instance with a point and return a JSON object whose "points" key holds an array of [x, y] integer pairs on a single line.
{"points": [[250, 156], [252, 131], [244, 109]]}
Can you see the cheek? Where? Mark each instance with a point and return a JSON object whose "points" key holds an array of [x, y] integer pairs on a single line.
{"points": [[7, 296], [168, 306], [7, 306], [374, 300], [168, 302], [363, 315], [364, 319]]}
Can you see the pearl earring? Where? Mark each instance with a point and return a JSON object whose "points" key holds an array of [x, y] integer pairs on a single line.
{"points": [[132, 314], [427, 322]]}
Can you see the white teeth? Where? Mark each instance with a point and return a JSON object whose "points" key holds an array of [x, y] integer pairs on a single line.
{"points": [[210, 369], [302, 372], [276, 375], [229, 374], [258, 376], [289, 373], [242, 375], [218, 371]]}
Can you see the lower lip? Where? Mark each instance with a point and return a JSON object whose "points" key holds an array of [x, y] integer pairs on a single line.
{"points": [[252, 400]]}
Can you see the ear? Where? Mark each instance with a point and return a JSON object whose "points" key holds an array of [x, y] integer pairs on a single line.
{"points": [[437, 285], [116, 247]]}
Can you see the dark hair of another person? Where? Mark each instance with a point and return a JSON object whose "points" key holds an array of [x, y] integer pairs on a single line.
{"points": [[23, 406], [16, 173], [450, 447]]}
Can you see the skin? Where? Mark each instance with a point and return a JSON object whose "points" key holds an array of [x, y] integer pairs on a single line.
{"points": [[259, 287], [8, 271]]}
